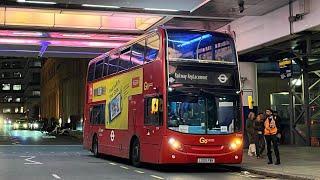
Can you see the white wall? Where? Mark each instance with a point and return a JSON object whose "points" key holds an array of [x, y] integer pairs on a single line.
{"points": [[310, 20], [248, 70], [253, 31]]}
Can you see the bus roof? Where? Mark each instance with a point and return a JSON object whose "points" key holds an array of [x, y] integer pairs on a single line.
{"points": [[102, 56]]}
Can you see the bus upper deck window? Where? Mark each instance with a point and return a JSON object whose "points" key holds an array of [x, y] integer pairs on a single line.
{"points": [[105, 66], [124, 60], [137, 53], [152, 48], [98, 70], [91, 72], [113, 64]]}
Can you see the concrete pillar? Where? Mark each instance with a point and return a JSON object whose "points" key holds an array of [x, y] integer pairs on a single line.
{"points": [[248, 77]]}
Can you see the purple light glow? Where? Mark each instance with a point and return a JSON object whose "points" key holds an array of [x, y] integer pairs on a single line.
{"points": [[69, 43], [60, 35], [10, 33], [103, 37], [64, 43], [19, 41], [55, 52]]}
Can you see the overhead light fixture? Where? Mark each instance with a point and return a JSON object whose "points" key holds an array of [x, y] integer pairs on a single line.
{"points": [[76, 35], [37, 34], [296, 82], [114, 37], [100, 6], [156, 9], [36, 2]]}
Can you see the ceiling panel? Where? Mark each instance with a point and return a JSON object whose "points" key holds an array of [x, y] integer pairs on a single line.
{"points": [[230, 8], [77, 21], [35, 18], [33, 51], [184, 5], [70, 20]]}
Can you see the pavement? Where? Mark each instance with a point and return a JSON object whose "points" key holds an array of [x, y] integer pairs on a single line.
{"points": [[296, 163]]}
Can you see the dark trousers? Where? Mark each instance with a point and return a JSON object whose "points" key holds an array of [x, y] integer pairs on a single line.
{"points": [[272, 139], [259, 142]]}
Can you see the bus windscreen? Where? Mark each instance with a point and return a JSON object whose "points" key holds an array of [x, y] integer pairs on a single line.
{"points": [[204, 114], [202, 47]]}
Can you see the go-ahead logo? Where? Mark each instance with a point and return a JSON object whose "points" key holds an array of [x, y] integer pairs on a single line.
{"points": [[223, 78], [203, 140]]}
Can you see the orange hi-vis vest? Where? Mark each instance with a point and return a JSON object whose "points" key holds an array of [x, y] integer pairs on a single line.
{"points": [[270, 128]]}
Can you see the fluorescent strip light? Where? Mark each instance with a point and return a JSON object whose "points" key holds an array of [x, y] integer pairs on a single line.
{"points": [[76, 35], [114, 37], [28, 33], [100, 6], [156, 9], [36, 2]]}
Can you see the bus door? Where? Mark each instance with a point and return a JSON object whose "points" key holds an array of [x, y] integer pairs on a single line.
{"points": [[151, 136]]}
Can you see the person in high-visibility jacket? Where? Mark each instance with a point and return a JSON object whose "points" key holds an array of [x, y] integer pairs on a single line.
{"points": [[271, 126]]}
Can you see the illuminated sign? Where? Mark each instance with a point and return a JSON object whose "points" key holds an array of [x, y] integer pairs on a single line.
{"points": [[285, 66], [201, 77]]}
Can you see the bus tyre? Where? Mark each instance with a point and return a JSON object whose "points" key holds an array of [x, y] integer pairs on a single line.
{"points": [[135, 153], [95, 147]]}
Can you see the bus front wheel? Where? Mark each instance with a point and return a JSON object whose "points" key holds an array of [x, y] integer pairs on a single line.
{"points": [[95, 147], [135, 153]]}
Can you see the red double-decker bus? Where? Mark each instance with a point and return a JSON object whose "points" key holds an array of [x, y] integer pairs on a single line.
{"points": [[171, 96]]}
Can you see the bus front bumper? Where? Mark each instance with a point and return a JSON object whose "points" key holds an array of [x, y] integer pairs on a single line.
{"points": [[187, 155]]}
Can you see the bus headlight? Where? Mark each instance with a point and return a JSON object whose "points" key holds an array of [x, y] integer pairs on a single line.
{"points": [[175, 144], [235, 144], [25, 126]]}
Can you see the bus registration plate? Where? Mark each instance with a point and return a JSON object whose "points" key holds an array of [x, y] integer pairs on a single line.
{"points": [[206, 160]]}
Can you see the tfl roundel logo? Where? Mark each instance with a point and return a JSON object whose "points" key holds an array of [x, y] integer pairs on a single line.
{"points": [[223, 78]]}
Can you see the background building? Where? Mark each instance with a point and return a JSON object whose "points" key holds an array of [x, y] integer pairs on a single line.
{"points": [[20, 85], [62, 89], [32, 89]]}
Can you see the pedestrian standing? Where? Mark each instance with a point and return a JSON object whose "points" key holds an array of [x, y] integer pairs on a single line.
{"points": [[279, 133], [270, 132], [250, 133], [259, 135]]}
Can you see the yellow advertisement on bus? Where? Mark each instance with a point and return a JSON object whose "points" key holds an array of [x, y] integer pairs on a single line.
{"points": [[115, 91]]}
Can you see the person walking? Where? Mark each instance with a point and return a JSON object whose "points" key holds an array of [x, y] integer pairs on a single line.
{"points": [[258, 133], [250, 134], [271, 126]]}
